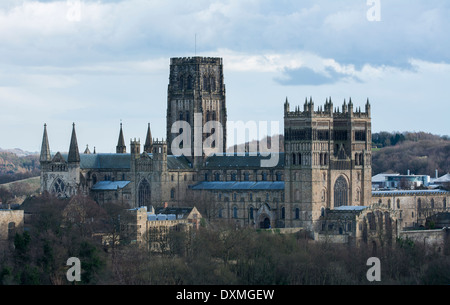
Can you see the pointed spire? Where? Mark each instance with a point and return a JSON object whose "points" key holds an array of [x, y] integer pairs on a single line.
{"points": [[45, 148], [121, 148], [94, 151], [87, 151], [148, 141], [74, 154]]}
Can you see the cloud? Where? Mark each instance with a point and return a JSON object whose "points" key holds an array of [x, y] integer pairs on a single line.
{"points": [[307, 76]]}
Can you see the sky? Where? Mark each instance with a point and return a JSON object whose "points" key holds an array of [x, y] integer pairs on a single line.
{"points": [[99, 63]]}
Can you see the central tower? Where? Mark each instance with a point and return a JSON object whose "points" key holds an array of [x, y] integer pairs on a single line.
{"points": [[196, 90]]}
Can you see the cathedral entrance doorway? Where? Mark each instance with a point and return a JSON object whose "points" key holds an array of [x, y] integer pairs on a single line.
{"points": [[265, 222]]}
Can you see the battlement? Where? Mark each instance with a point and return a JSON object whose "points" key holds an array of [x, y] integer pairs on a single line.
{"points": [[327, 110], [196, 60]]}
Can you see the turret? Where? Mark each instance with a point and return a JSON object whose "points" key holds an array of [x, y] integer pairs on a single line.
{"points": [[368, 108], [286, 106], [135, 147]]}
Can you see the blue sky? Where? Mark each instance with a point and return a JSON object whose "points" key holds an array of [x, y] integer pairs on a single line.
{"points": [[98, 62]]}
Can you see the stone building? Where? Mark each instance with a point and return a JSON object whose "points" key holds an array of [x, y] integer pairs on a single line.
{"points": [[11, 222], [150, 227], [325, 166]]}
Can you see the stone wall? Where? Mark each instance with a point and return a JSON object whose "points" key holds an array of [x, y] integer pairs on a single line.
{"points": [[11, 221], [434, 241]]}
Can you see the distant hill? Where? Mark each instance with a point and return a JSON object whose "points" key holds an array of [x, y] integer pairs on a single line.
{"points": [[18, 165], [419, 152]]}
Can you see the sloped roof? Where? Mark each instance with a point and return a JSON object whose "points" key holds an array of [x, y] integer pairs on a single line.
{"points": [[109, 185], [233, 185], [180, 212], [178, 162], [442, 179], [241, 161], [408, 192], [382, 177]]}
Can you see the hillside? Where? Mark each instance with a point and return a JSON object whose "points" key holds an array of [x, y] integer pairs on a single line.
{"points": [[418, 155], [17, 166]]}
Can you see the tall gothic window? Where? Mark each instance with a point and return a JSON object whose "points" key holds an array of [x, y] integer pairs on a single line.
{"points": [[340, 192], [144, 193], [190, 82], [59, 187], [181, 82]]}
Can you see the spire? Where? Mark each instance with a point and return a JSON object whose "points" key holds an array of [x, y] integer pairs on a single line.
{"points": [[87, 151], [148, 141], [74, 154], [121, 148], [45, 148]]}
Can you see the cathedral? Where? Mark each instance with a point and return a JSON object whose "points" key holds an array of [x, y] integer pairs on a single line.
{"points": [[325, 165]]}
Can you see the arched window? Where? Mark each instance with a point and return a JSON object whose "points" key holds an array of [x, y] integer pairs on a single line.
{"points": [[278, 176], [432, 203], [206, 176], [297, 195], [190, 83], [283, 213], [419, 203], [235, 212], [445, 203], [11, 230], [181, 83], [246, 176], [59, 187], [233, 176], [294, 158], [205, 83], [264, 176], [297, 213], [398, 203], [217, 176], [172, 194], [250, 213], [188, 116], [213, 83], [340, 192], [144, 193]]}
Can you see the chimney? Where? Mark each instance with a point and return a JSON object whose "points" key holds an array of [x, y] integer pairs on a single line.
{"points": [[437, 174]]}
